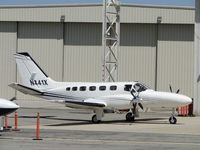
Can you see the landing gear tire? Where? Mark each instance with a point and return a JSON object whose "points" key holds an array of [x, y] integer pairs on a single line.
{"points": [[172, 120], [94, 119], [130, 117]]}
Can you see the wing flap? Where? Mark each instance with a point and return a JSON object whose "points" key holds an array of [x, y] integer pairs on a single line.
{"points": [[88, 103]]}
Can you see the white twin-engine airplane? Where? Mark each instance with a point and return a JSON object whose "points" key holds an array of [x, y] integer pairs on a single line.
{"points": [[115, 96]]}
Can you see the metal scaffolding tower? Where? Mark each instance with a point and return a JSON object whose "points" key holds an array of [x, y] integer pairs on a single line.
{"points": [[110, 39]]}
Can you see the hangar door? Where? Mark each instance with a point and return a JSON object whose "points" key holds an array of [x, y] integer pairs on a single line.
{"points": [[83, 52], [137, 53], [44, 41], [8, 38], [175, 58]]}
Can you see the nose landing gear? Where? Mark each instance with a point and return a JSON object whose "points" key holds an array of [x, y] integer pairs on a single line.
{"points": [[172, 119]]}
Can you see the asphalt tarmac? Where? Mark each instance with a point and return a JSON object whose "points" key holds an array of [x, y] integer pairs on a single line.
{"points": [[72, 129]]}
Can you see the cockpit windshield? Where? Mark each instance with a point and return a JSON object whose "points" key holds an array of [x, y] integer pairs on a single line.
{"points": [[139, 87]]}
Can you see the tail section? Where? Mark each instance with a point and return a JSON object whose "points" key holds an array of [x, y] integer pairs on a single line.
{"points": [[31, 74]]}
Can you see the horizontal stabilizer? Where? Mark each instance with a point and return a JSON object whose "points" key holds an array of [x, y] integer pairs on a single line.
{"points": [[24, 89]]}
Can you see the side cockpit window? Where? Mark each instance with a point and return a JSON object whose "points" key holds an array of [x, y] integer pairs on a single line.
{"points": [[127, 87]]}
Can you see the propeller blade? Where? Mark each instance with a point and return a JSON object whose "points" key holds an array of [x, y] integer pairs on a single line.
{"points": [[12, 99], [177, 91], [141, 106], [134, 97], [170, 87]]}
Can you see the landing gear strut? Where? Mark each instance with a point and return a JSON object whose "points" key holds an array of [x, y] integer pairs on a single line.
{"points": [[172, 119]]}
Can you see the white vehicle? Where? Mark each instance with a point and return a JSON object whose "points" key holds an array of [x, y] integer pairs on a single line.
{"points": [[101, 96], [7, 107]]}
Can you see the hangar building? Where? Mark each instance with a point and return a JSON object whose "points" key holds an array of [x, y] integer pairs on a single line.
{"points": [[156, 46]]}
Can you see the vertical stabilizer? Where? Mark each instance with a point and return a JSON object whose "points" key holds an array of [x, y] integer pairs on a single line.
{"points": [[31, 74]]}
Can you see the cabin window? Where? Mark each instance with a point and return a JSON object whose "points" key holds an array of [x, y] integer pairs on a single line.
{"points": [[102, 88], [74, 88], [92, 88], [82, 88], [68, 89], [113, 87], [127, 87]]}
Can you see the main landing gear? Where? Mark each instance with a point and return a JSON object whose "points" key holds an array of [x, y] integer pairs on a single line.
{"points": [[96, 118]]}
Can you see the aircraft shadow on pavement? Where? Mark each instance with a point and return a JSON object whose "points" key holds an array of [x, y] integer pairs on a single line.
{"points": [[87, 122], [71, 122], [29, 117]]}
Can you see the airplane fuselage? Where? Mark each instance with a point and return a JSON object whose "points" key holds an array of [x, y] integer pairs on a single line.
{"points": [[114, 95]]}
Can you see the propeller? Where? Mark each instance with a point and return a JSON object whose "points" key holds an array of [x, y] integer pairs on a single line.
{"points": [[170, 87], [136, 100]]}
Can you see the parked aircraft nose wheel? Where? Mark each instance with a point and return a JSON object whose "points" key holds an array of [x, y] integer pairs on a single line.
{"points": [[172, 120], [94, 119], [130, 117]]}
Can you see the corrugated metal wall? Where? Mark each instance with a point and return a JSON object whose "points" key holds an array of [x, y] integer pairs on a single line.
{"points": [[197, 59], [93, 13], [8, 34]]}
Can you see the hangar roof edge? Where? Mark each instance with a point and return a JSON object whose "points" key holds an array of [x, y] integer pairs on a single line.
{"points": [[96, 4]]}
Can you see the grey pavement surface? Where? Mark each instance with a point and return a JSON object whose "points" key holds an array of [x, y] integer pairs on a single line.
{"points": [[72, 129]]}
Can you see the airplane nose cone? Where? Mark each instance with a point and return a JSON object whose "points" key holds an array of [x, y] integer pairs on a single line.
{"points": [[186, 100], [11, 105], [7, 107]]}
